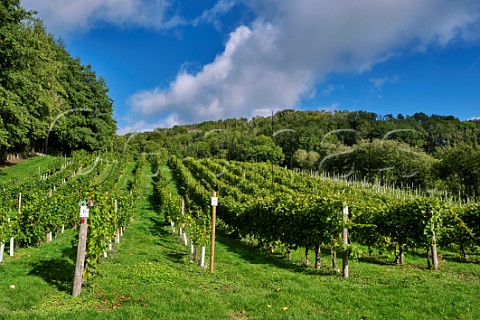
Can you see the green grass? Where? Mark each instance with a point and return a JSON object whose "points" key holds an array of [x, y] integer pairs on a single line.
{"points": [[151, 276], [167, 173], [125, 179], [25, 170]]}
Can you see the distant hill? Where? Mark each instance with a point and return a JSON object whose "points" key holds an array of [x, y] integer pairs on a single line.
{"points": [[431, 151]]}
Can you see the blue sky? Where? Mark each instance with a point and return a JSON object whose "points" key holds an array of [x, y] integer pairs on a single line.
{"points": [[170, 62]]}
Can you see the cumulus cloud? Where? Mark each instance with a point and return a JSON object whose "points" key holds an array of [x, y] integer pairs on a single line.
{"points": [[292, 45], [232, 77], [75, 16]]}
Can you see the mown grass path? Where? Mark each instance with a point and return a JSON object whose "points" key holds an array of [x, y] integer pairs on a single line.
{"points": [[151, 276]]}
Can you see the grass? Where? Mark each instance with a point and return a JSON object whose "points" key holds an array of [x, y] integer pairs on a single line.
{"points": [[167, 173], [150, 275], [126, 179], [25, 169]]}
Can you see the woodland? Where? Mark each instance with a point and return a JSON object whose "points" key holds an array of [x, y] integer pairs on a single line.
{"points": [[431, 152], [49, 101]]}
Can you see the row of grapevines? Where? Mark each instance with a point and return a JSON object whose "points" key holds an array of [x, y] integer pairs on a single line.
{"points": [[112, 212], [404, 220], [375, 218], [45, 205]]}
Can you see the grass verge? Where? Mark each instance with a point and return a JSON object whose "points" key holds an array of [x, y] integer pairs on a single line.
{"points": [[25, 169]]}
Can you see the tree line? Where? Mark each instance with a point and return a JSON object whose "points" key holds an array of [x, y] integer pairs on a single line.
{"points": [[420, 151], [48, 99]]}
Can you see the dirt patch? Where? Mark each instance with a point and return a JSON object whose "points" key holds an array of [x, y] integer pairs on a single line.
{"points": [[10, 162]]}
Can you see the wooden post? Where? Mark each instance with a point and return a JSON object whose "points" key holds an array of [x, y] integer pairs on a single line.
{"points": [[19, 202], [214, 218], [2, 249], [345, 242], [81, 251], [334, 260], [306, 256], [318, 253], [82, 246], [183, 206]]}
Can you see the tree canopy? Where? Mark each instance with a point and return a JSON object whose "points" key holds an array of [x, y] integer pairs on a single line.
{"points": [[46, 93], [427, 151]]}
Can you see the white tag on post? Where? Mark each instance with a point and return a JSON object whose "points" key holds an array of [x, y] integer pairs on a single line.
{"points": [[214, 201], [84, 211]]}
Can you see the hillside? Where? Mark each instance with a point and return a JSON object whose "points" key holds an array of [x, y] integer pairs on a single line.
{"points": [[421, 151]]}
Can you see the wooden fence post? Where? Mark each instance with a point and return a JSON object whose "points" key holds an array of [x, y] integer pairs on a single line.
{"points": [[81, 251]]}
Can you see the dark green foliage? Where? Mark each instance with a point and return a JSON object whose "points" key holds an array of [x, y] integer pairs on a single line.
{"points": [[417, 151], [40, 85], [459, 169]]}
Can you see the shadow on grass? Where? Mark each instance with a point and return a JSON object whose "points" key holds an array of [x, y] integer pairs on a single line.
{"points": [[174, 256], [58, 272], [377, 260], [472, 258], [419, 261], [70, 252], [256, 256], [157, 226]]}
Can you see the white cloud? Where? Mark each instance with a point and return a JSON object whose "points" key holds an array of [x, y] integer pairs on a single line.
{"points": [[212, 15], [281, 56], [204, 95], [75, 16], [378, 83], [331, 108], [292, 45], [329, 89], [143, 126]]}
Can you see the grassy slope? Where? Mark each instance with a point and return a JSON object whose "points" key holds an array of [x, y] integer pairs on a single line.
{"points": [[151, 276], [24, 170]]}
